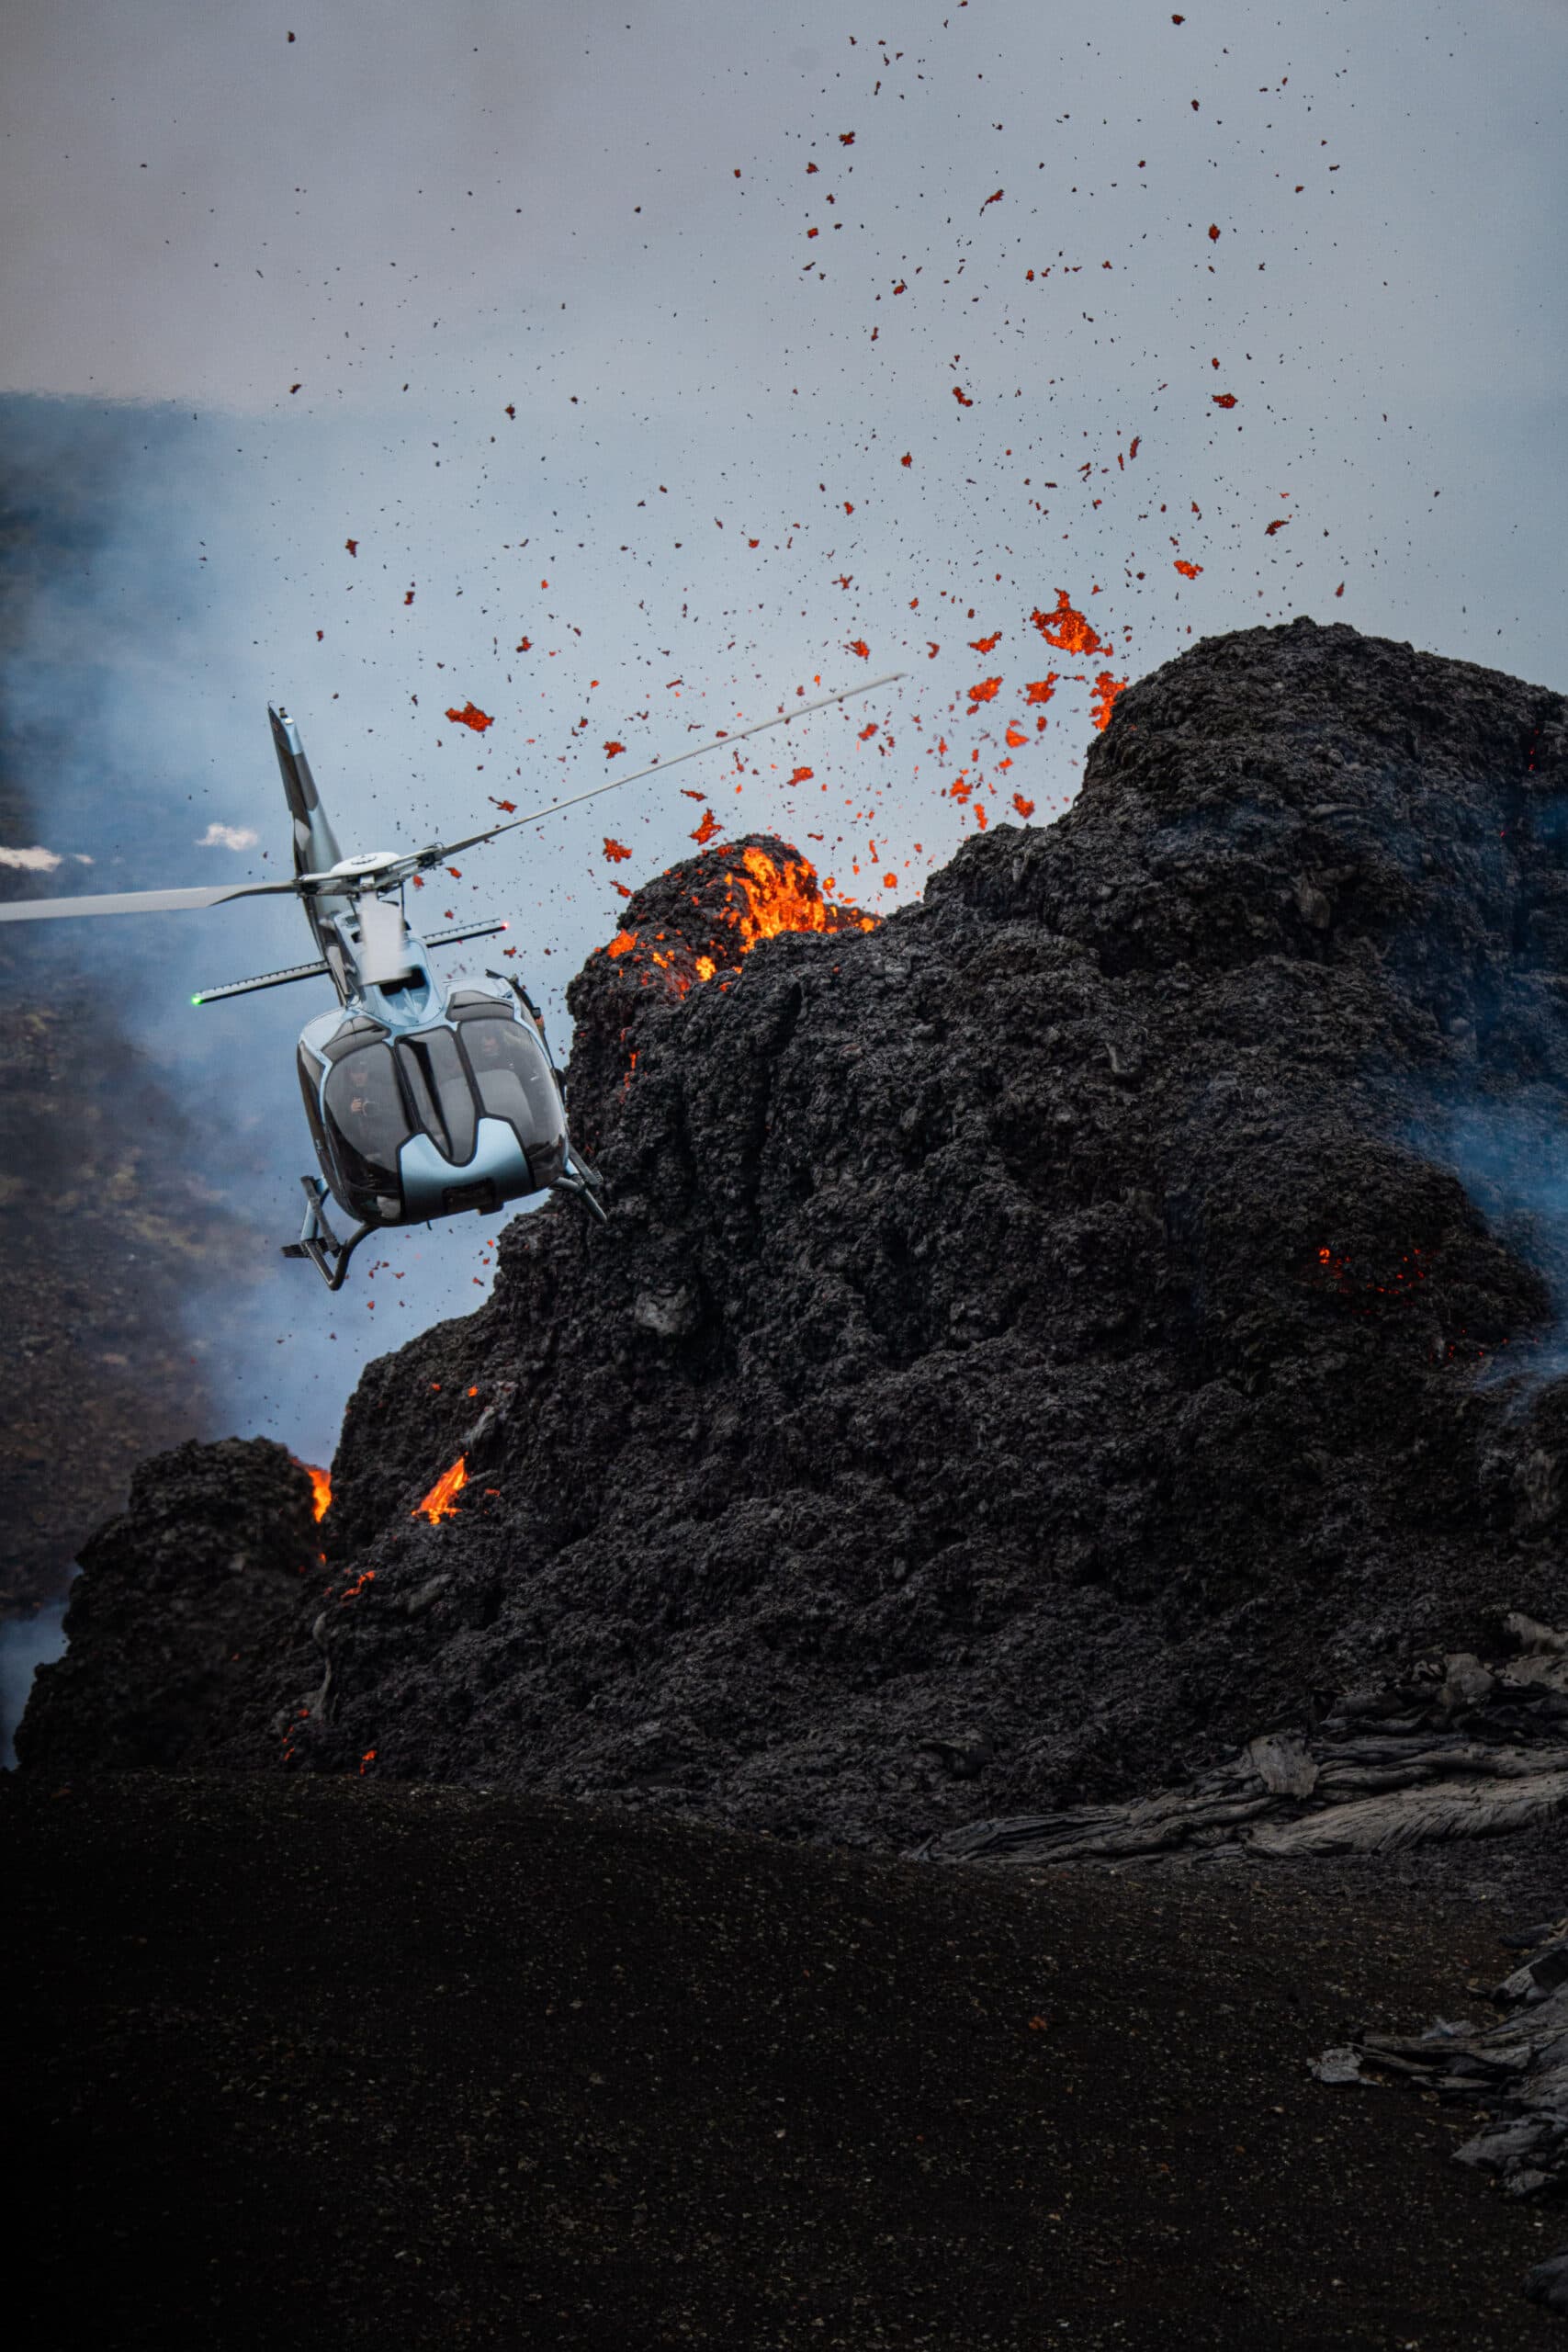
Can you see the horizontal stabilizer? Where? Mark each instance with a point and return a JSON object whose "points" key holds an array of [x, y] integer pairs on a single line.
{"points": [[266, 980], [474, 931]]}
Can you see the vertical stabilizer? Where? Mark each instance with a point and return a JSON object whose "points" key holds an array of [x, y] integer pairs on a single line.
{"points": [[315, 844]]}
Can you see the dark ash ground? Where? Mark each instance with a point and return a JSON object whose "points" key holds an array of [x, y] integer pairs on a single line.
{"points": [[329, 2063]]}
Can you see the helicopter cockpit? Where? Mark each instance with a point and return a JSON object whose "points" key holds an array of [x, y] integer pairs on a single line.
{"points": [[463, 1114]]}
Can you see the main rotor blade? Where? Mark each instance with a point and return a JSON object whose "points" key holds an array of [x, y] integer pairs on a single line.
{"points": [[717, 744], [134, 902]]}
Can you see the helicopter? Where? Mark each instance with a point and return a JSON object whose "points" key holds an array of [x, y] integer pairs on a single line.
{"points": [[423, 1100]]}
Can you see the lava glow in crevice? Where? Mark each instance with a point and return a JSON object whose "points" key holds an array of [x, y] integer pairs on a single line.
{"points": [[321, 1487], [441, 1502]]}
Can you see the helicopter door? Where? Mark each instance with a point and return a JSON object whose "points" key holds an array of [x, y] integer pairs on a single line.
{"points": [[515, 1083]]}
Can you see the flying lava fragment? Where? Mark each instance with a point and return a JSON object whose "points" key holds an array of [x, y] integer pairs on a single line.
{"points": [[1105, 689], [1066, 628], [471, 715]]}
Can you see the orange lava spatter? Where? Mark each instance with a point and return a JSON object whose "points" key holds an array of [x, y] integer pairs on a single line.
{"points": [[471, 715], [1105, 689], [1066, 629], [441, 1502]]}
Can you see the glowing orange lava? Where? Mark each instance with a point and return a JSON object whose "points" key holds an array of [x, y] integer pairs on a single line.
{"points": [[441, 1503], [764, 897], [321, 1487], [1066, 628], [777, 901], [1105, 689], [471, 715]]}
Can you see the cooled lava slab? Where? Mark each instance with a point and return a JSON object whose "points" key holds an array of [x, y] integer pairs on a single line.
{"points": [[1040, 1342]]}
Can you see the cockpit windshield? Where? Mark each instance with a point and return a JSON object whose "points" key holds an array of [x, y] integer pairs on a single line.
{"points": [[366, 1118]]}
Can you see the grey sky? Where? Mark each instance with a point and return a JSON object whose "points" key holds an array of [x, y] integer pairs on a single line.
{"points": [[201, 213]]}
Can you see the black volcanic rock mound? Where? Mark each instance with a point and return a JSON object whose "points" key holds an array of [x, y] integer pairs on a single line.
{"points": [[1039, 1342], [692, 926], [184, 1606]]}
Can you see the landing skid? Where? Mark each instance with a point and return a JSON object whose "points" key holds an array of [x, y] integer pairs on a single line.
{"points": [[584, 1183], [317, 1240]]}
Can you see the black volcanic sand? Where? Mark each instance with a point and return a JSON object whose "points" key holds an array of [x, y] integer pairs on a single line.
{"points": [[334, 2062]]}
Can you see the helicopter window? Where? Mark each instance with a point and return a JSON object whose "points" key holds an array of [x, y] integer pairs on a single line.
{"points": [[468, 1002], [310, 1087], [438, 1087], [349, 1037], [515, 1084], [366, 1119]]}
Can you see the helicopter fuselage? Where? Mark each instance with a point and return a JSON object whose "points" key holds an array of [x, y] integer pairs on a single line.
{"points": [[423, 1101]]}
